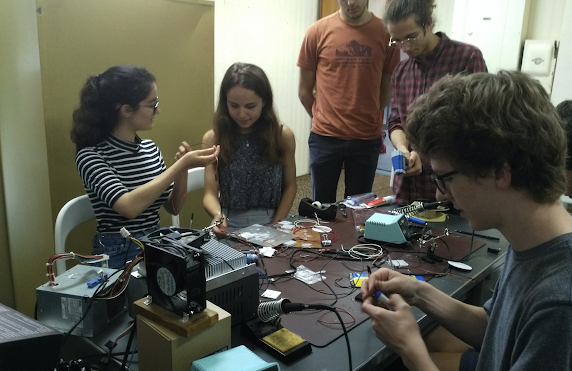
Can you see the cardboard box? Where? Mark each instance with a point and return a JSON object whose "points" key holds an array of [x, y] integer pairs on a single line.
{"points": [[162, 349]]}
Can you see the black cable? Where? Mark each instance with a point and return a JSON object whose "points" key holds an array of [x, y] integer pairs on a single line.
{"points": [[127, 251], [89, 304], [470, 248], [69, 332], [103, 286], [128, 347], [261, 260], [262, 276], [113, 355], [332, 309], [225, 261], [174, 249], [321, 280]]}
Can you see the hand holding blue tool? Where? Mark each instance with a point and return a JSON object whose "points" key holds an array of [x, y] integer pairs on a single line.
{"points": [[382, 299], [398, 161]]}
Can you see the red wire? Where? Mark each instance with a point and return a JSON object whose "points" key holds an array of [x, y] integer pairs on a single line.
{"points": [[53, 258], [341, 310]]}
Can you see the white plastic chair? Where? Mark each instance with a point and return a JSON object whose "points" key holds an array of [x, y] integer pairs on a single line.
{"points": [[195, 180], [72, 214]]}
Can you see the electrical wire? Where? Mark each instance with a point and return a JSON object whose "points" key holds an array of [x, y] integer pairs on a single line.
{"points": [[329, 324], [333, 309], [83, 259], [128, 347], [128, 330]]}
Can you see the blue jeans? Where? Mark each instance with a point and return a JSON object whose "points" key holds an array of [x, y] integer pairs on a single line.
{"points": [[120, 249], [327, 157], [469, 360]]}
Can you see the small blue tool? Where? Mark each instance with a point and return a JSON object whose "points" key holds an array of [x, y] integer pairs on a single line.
{"points": [[398, 161], [382, 299], [415, 220]]}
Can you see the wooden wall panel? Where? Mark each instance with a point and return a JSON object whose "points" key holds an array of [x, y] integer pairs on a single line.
{"points": [[172, 39], [328, 7]]}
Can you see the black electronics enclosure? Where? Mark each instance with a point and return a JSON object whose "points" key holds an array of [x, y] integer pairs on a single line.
{"points": [[26, 344], [175, 264], [308, 208]]}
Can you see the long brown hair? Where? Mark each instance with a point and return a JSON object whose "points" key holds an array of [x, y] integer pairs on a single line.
{"points": [[267, 127]]}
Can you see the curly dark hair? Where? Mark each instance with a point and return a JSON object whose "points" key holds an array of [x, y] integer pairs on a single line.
{"points": [[482, 121], [100, 99], [399, 10], [564, 109]]}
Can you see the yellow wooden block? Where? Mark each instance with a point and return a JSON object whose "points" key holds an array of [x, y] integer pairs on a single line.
{"points": [[283, 340]]}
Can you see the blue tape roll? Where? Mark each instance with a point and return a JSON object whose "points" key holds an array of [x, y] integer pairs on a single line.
{"points": [[251, 258]]}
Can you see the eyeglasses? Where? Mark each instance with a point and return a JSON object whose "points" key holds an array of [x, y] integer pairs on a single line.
{"points": [[409, 40], [439, 180], [154, 106]]}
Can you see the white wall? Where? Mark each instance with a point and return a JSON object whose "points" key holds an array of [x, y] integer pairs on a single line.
{"points": [[545, 20], [377, 7], [562, 87], [268, 34], [497, 27], [443, 16], [542, 20]]}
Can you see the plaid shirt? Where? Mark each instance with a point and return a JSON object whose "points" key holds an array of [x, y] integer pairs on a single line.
{"points": [[413, 77]]}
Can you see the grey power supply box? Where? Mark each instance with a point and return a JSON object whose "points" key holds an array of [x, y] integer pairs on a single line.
{"points": [[63, 305], [232, 284]]}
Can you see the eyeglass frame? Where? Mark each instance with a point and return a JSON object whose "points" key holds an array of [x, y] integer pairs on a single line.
{"points": [[154, 106], [438, 180], [409, 40]]}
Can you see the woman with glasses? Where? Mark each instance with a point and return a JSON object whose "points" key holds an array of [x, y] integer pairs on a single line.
{"points": [[254, 180], [125, 176]]}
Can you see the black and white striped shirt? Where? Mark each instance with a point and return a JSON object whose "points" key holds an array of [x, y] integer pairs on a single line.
{"points": [[115, 167]]}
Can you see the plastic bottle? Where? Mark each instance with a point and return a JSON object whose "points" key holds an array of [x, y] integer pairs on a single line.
{"points": [[389, 199], [381, 201], [360, 199]]}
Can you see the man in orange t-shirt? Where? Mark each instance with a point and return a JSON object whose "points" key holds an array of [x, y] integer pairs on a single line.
{"points": [[346, 59]]}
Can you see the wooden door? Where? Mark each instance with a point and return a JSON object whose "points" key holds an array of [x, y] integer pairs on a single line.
{"points": [[328, 7]]}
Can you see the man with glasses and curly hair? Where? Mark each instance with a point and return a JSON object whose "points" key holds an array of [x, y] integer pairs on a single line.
{"points": [[498, 147], [431, 56]]}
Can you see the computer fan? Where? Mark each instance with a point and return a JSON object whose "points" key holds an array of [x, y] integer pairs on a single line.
{"points": [[175, 264]]}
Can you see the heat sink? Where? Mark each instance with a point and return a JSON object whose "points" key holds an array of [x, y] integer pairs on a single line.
{"points": [[221, 259]]}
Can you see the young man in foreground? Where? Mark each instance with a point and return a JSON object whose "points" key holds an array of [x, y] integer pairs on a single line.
{"points": [[564, 109], [497, 148]]}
